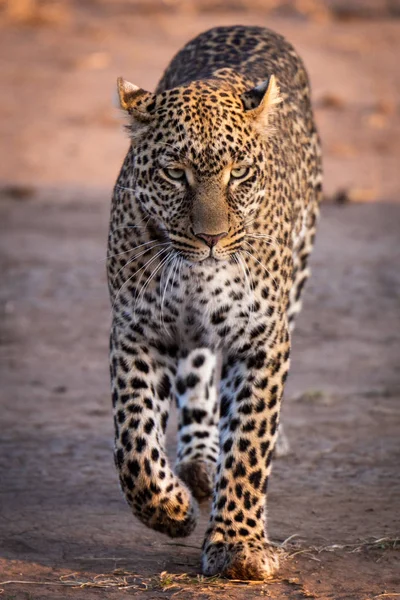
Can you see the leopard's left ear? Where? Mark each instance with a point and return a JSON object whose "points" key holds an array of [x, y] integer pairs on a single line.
{"points": [[136, 101], [137, 104], [260, 102]]}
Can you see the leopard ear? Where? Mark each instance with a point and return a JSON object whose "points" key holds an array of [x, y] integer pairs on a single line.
{"points": [[260, 102], [138, 103]]}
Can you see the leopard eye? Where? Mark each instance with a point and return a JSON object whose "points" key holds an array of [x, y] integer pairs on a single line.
{"points": [[175, 174], [239, 172]]}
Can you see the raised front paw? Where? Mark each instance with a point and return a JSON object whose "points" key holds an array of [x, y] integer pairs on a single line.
{"points": [[174, 525], [199, 476], [250, 560], [175, 514]]}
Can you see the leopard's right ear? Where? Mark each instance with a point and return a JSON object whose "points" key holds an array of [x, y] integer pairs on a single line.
{"points": [[261, 102], [138, 103]]}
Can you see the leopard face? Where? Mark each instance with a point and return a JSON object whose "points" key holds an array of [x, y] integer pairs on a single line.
{"points": [[202, 162]]}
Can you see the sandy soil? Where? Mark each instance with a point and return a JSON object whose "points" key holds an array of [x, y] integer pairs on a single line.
{"points": [[64, 527]]}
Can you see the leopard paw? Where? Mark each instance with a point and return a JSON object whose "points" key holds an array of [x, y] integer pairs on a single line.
{"points": [[175, 516], [250, 560], [198, 476]]}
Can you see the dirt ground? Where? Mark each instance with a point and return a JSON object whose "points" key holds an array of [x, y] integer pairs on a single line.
{"points": [[65, 530]]}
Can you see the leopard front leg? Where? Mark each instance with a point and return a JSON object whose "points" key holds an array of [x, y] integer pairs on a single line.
{"points": [[236, 543], [142, 385], [198, 436]]}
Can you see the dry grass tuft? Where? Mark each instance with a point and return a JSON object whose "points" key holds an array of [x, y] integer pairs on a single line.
{"points": [[125, 580], [119, 579], [384, 543]]}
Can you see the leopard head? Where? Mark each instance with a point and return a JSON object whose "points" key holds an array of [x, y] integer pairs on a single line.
{"points": [[202, 160]]}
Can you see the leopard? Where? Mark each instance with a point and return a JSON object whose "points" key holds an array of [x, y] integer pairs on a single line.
{"points": [[213, 219]]}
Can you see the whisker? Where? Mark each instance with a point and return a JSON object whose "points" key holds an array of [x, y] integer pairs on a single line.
{"points": [[130, 250], [267, 243], [122, 187], [150, 278], [173, 281], [136, 272], [181, 263], [133, 258], [146, 216], [261, 236], [250, 288], [264, 267], [247, 222], [162, 322]]}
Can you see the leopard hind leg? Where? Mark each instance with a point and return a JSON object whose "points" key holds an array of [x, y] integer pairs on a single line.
{"points": [[198, 436]]}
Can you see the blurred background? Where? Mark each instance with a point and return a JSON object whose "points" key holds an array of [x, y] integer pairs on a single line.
{"points": [[62, 518], [60, 59]]}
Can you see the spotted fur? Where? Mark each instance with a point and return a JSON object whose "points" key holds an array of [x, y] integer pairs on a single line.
{"points": [[213, 219]]}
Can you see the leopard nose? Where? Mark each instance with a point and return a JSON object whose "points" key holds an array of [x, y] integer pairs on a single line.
{"points": [[211, 240]]}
